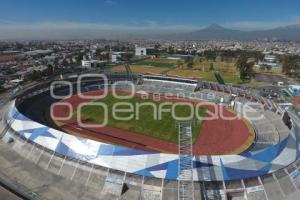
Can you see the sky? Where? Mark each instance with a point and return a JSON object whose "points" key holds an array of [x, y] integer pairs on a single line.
{"points": [[24, 18]]}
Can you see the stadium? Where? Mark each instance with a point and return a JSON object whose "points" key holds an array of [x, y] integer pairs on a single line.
{"points": [[253, 155]]}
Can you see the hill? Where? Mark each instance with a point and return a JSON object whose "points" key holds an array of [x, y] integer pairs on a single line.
{"points": [[218, 32]]}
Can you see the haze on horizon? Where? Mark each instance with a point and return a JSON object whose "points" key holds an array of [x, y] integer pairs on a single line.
{"points": [[68, 19]]}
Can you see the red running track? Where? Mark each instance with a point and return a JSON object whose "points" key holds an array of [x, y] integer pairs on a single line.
{"points": [[218, 136]]}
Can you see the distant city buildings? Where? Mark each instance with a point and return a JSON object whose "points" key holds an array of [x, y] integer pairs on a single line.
{"points": [[22, 59]]}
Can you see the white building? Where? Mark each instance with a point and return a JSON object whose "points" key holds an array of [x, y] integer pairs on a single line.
{"points": [[269, 60], [294, 89], [88, 64], [116, 57], [140, 51]]}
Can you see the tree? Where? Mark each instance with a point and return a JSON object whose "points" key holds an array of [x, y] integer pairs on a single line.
{"points": [[55, 62], [285, 64], [49, 70], [291, 65], [269, 67], [171, 50], [210, 55], [35, 75], [245, 67], [79, 57], [190, 65], [262, 68], [179, 64], [189, 61], [64, 63], [211, 68], [127, 56]]}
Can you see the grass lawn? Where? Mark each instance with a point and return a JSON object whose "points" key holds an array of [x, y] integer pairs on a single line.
{"points": [[256, 84], [144, 122], [206, 75], [163, 63], [140, 69], [200, 69]]}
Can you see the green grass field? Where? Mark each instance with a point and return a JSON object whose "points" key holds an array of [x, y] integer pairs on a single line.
{"points": [[164, 129], [200, 69], [162, 63]]}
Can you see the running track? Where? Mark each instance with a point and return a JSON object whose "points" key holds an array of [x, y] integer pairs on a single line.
{"points": [[217, 136]]}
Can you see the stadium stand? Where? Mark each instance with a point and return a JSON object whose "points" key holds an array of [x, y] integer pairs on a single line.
{"points": [[115, 184]]}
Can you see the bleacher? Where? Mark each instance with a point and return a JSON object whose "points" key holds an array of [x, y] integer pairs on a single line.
{"points": [[269, 130], [264, 124], [182, 90]]}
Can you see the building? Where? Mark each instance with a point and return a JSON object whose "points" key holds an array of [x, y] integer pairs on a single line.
{"points": [[270, 58], [91, 63], [294, 89], [269, 61], [116, 56], [140, 51], [8, 56], [38, 53]]}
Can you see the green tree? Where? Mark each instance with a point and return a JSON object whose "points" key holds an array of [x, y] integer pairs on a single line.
{"points": [[262, 68], [35, 75], [190, 65], [49, 70], [291, 65], [189, 61], [171, 50], [127, 56], [211, 68], [245, 66], [179, 64], [269, 67], [65, 63], [79, 57]]}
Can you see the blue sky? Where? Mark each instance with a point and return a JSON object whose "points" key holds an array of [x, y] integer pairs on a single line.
{"points": [[155, 15]]}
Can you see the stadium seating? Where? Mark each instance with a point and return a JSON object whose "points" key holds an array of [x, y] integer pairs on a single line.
{"points": [[270, 130]]}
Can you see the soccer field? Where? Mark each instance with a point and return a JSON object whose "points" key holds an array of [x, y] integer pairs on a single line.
{"points": [[143, 117]]}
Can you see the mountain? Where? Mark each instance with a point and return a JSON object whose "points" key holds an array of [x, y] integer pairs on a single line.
{"points": [[291, 32], [215, 31]]}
